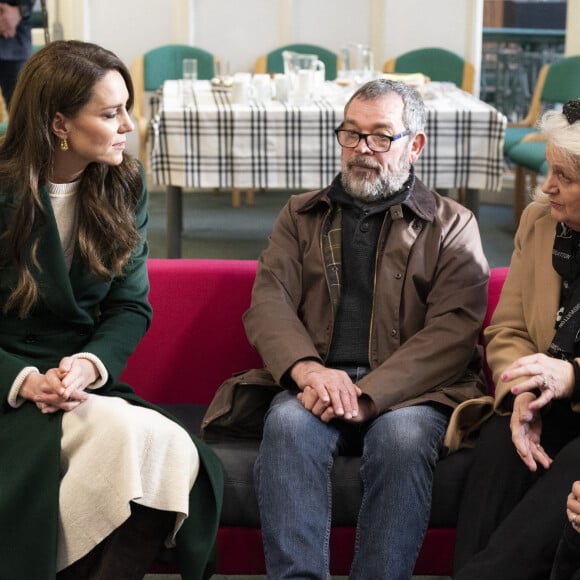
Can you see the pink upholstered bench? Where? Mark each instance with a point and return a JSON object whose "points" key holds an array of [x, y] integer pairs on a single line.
{"points": [[196, 341]]}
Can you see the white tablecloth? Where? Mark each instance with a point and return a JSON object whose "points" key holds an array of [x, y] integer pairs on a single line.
{"points": [[199, 139]]}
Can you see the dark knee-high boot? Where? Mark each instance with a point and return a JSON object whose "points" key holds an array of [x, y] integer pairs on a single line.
{"points": [[83, 569], [130, 549]]}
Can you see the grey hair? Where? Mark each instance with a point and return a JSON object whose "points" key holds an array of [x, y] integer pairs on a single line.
{"points": [[565, 137], [414, 109]]}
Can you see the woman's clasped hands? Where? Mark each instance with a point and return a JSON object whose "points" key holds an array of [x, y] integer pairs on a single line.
{"points": [[61, 388], [544, 378]]}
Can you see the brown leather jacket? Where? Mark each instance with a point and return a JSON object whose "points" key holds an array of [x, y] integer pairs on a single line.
{"points": [[430, 298]]}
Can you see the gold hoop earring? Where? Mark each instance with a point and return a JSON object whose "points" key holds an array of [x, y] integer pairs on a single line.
{"points": [[64, 144]]}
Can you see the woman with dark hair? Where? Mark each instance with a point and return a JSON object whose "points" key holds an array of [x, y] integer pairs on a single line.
{"points": [[95, 481], [528, 454]]}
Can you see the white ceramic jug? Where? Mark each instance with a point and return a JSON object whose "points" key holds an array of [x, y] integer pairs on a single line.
{"points": [[306, 73]]}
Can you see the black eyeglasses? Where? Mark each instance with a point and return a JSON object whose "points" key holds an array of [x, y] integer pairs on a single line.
{"points": [[376, 142]]}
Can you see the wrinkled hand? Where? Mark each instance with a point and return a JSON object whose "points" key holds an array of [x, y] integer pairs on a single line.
{"points": [[334, 394], [60, 388], [554, 378], [573, 506], [526, 428], [10, 18]]}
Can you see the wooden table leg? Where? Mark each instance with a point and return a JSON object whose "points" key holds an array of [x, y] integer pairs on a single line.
{"points": [[174, 208], [249, 196], [236, 197]]}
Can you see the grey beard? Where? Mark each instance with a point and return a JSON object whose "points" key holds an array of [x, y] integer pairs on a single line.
{"points": [[381, 187]]}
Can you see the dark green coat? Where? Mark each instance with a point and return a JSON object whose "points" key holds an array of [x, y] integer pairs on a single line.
{"points": [[76, 313]]}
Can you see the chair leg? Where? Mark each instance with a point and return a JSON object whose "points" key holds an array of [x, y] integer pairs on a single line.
{"points": [[249, 196]]}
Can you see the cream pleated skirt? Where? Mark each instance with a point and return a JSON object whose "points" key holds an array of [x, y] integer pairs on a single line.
{"points": [[114, 453]]}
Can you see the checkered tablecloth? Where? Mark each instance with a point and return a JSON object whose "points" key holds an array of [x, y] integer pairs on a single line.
{"points": [[199, 139]]}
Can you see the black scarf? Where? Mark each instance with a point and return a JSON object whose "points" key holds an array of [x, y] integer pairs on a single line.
{"points": [[566, 262]]}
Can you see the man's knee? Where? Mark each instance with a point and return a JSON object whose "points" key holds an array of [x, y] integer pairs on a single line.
{"points": [[286, 414], [407, 433]]}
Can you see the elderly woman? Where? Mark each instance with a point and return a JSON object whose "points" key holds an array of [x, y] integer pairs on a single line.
{"points": [[528, 454], [94, 479]]}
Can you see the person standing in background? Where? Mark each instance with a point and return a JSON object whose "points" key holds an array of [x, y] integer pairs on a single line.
{"points": [[15, 42]]}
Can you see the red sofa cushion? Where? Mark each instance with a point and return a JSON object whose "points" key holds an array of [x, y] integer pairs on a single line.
{"points": [[197, 336], [496, 281]]}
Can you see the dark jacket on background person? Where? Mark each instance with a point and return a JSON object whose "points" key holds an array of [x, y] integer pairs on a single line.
{"points": [[20, 46]]}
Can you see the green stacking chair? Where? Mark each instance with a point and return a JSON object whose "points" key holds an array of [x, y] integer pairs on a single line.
{"points": [[524, 147], [529, 157], [156, 66], [438, 64], [557, 83], [272, 62]]}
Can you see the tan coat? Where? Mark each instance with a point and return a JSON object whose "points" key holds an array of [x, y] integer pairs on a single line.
{"points": [[523, 322], [429, 302]]}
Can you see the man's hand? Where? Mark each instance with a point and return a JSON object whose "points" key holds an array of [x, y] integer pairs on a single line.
{"points": [[332, 394], [325, 412], [10, 18]]}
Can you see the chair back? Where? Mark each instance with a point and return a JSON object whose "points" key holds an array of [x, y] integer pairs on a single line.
{"points": [[438, 64], [562, 81], [156, 66], [274, 62], [557, 82], [165, 63]]}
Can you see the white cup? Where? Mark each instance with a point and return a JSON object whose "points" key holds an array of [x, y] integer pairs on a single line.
{"points": [[281, 87], [241, 90], [262, 84], [189, 69]]}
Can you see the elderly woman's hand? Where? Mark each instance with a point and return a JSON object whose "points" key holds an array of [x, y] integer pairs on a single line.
{"points": [[526, 428], [573, 506], [553, 377]]}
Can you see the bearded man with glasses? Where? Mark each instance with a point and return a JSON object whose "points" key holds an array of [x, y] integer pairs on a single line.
{"points": [[366, 310]]}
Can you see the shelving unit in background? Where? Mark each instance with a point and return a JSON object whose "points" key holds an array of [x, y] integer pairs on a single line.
{"points": [[519, 37]]}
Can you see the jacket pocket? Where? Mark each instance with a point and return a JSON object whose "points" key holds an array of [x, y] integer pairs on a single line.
{"points": [[238, 408]]}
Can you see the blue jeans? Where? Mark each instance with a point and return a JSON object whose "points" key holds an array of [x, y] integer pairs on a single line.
{"points": [[293, 485]]}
